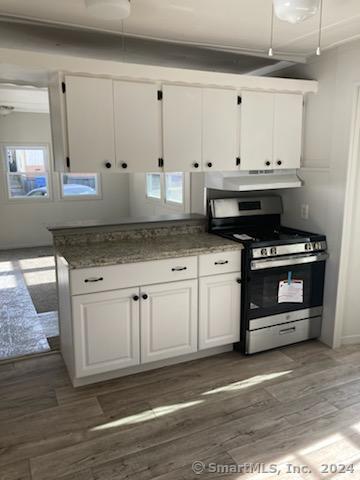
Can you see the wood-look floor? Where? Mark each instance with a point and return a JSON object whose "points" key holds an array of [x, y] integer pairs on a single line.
{"points": [[298, 406]]}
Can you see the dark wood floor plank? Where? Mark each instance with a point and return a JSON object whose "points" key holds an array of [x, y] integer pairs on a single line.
{"points": [[16, 471]]}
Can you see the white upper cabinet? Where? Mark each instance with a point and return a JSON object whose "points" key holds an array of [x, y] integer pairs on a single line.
{"points": [[220, 129], [256, 137], [182, 128], [137, 114], [288, 130], [90, 123], [271, 130]]}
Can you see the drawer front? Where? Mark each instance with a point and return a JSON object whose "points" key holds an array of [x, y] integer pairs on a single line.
{"points": [[222, 262], [100, 279], [285, 334]]}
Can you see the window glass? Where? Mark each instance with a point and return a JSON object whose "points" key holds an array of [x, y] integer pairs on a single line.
{"points": [[174, 187], [27, 171], [153, 185], [79, 185]]}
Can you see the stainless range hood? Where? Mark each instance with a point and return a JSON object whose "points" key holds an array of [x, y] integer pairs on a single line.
{"points": [[248, 181]]}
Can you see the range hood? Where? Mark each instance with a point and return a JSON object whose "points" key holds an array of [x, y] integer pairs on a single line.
{"points": [[248, 181]]}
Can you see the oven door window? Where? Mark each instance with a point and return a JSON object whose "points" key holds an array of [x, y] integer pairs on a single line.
{"points": [[263, 289]]}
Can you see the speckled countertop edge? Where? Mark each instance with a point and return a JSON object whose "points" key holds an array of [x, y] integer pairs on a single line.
{"points": [[134, 251]]}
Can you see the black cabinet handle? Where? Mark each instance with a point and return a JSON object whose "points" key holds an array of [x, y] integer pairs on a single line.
{"points": [[145, 296], [124, 165], [238, 160], [93, 280], [196, 165], [108, 165], [238, 280], [279, 162], [267, 163], [209, 164], [178, 269], [135, 298], [221, 262]]}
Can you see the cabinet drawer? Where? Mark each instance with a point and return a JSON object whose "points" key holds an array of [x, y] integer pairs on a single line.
{"points": [[222, 262], [100, 279]]}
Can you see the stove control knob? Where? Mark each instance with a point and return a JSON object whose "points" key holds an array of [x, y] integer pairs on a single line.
{"points": [[264, 252], [318, 246], [308, 246], [273, 251]]}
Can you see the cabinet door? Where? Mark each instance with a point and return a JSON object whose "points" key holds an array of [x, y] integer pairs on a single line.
{"points": [[220, 127], [288, 130], [219, 310], [256, 136], [168, 320], [182, 128], [106, 331], [137, 126], [90, 123]]}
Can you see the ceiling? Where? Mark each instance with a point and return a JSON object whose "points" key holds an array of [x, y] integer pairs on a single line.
{"points": [[25, 99], [239, 25]]}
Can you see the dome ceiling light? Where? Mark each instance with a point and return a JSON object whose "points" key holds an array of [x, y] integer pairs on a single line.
{"points": [[294, 12], [109, 9]]}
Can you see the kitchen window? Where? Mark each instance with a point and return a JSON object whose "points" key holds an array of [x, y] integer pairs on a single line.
{"points": [[81, 186], [27, 172], [167, 188]]}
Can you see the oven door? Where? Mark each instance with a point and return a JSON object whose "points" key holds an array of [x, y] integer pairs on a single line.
{"points": [[267, 277]]}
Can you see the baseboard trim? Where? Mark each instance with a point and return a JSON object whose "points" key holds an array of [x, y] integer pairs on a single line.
{"points": [[101, 377], [350, 340]]}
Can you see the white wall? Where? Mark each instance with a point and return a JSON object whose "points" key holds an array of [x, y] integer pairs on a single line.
{"points": [[326, 149], [23, 223]]}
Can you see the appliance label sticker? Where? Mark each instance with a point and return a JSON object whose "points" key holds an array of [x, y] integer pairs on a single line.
{"points": [[291, 292]]}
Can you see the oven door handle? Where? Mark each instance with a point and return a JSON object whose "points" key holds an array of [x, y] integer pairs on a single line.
{"points": [[288, 261]]}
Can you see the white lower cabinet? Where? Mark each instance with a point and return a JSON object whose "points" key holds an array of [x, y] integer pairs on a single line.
{"points": [[219, 310], [106, 331], [169, 319]]}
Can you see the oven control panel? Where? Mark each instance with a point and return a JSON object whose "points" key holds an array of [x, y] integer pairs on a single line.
{"points": [[307, 247]]}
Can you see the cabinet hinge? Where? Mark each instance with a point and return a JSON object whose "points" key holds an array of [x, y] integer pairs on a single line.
{"points": [[239, 100], [238, 160], [161, 162], [68, 162], [63, 87], [159, 95]]}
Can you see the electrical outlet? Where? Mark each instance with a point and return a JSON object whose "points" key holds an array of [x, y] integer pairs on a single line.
{"points": [[305, 211]]}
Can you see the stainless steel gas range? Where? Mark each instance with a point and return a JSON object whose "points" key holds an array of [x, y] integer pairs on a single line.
{"points": [[283, 272]]}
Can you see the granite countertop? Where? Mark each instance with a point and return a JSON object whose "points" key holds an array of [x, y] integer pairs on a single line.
{"points": [[133, 250]]}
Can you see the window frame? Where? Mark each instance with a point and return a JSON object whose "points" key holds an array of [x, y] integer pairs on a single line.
{"points": [[47, 173], [163, 202], [171, 202], [81, 198]]}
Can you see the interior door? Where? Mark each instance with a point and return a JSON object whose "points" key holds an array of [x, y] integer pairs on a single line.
{"points": [[256, 136], [168, 320], [90, 124], [220, 129], [219, 316], [288, 130], [137, 114], [106, 329], [182, 128]]}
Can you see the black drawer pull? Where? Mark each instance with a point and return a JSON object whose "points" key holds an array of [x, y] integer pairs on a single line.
{"points": [[178, 269], [238, 280], [145, 296], [287, 330], [221, 262], [93, 280], [135, 298]]}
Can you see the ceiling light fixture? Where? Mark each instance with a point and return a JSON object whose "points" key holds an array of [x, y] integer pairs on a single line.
{"points": [[109, 9], [295, 11], [6, 110]]}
